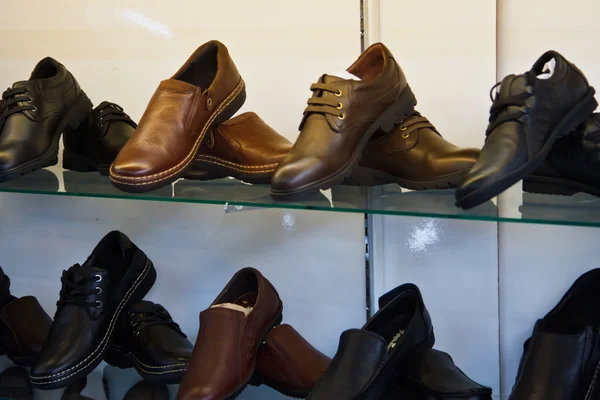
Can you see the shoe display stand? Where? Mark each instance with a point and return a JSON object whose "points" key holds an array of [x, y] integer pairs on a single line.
{"points": [[486, 273]]}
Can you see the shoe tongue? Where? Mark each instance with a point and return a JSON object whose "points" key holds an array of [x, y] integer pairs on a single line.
{"points": [[512, 85]]}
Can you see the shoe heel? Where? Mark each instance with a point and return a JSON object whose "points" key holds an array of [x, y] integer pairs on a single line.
{"points": [[77, 163], [530, 186], [399, 111], [145, 285], [231, 108], [116, 358], [368, 177], [77, 114]]}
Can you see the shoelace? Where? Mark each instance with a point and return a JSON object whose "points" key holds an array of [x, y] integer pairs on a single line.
{"points": [[502, 105], [112, 112], [155, 315], [76, 293], [10, 100], [322, 105]]}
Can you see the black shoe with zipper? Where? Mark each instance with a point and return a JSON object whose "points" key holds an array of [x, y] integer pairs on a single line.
{"points": [[148, 340], [573, 165], [95, 144], [92, 299], [561, 360], [36, 112]]}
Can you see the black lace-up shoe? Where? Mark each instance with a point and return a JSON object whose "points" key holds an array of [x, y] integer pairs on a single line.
{"points": [[529, 113], [150, 341], [98, 140], [572, 166], [93, 297], [36, 112]]}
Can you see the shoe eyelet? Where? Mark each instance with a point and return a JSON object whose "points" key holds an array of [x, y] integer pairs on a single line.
{"points": [[402, 128], [137, 333], [209, 102], [339, 93], [341, 116], [340, 106], [133, 323], [98, 278], [131, 313], [405, 135], [210, 141], [98, 304], [98, 291], [34, 109]]}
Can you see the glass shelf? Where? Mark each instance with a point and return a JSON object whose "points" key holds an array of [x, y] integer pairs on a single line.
{"points": [[514, 205]]}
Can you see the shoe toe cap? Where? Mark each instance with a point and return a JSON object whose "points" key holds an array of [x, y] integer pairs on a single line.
{"points": [[296, 174]]}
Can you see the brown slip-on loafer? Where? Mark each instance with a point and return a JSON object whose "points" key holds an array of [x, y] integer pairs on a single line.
{"points": [[231, 332], [206, 91], [289, 364], [415, 156], [244, 147], [341, 117]]}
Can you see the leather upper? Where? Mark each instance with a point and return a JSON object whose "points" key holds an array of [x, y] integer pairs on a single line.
{"points": [[330, 135], [415, 150], [225, 352], [49, 94], [244, 144], [102, 135], [178, 117], [368, 360], [289, 363]]}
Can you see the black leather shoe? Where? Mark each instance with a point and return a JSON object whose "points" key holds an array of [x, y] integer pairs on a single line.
{"points": [[530, 112], [573, 165], [147, 391], [368, 360], [14, 384], [98, 140], [36, 113], [148, 339], [93, 297], [561, 359]]}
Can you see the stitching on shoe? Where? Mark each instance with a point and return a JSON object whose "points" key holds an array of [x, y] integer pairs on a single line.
{"points": [[235, 166], [104, 341], [137, 361], [593, 384], [190, 156]]}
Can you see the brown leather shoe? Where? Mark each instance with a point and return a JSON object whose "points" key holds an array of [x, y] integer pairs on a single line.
{"points": [[341, 117], [415, 156], [245, 148], [206, 91], [231, 331], [289, 364]]}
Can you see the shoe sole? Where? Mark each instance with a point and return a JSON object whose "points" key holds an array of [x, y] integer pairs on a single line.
{"points": [[395, 114], [572, 120], [78, 112], [558, 186], [369, 177], [129, 184], [204, 170], [258, 380], [136, 292], [79, 163]]}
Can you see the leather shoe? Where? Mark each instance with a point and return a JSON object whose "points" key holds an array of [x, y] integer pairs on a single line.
{"points": [[95, 144], [560, 360], [341, 116], [288, 363], [529, 113], [92, 298], [231, 333], [148, 340], [368, 360]]}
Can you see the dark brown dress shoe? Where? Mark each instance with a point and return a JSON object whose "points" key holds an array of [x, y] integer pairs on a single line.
{"points": [[289, 364], [341, 117], [245, 148], [231, 332], [415, 156], [24, 325], [206, 91]]}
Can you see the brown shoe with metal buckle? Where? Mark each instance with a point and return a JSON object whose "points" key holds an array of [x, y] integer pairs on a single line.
{"points": [[206, 91], [244, 147], [342, 115], [289, 364], [415, 156], [231, 332]]}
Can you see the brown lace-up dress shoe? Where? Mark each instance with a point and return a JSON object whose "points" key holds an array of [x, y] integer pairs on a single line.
{"points": [[342, 115], [206, 91], [415, 156], [244, 147], [231, 333]]}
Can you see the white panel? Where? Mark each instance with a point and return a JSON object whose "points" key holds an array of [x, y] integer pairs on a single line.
{"points": [[119, 51], [539, 263]]}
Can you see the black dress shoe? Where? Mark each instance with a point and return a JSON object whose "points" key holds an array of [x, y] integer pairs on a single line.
{"points": [[147, 391], [93, 297], [98, 140], [530, 112], [36, 113], [368, 360], [14, 384], [148, 339], [573, 165], [561, 360]]}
